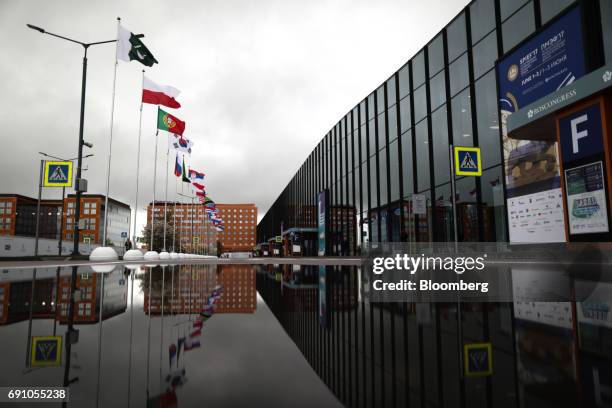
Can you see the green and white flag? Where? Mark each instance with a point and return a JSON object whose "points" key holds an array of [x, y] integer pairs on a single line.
{"points": [[130, 48]]}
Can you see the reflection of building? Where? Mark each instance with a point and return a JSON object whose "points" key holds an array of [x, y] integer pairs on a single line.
{"points": [[15, 300], [51, 298], [18, 218], [87, 309], [239, 293], [194, 231], [240, 222], [392, 147], [186, 289]]}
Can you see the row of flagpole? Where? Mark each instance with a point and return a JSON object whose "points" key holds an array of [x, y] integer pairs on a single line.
{"points": [[128, 48]]}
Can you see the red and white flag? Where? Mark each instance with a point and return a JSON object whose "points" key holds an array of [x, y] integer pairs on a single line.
{"points": [[159, 94]]}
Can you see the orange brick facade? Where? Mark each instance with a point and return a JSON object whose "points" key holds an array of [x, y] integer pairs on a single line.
{"points": [[8, 208], [240, 222], [194, 232]]}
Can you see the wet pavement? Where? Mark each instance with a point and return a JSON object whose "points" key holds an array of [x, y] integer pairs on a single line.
{"points": [[277, 336], [242, 357]]}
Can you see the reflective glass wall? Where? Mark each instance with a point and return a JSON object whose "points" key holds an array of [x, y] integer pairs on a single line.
{"points": [[386, 163]]}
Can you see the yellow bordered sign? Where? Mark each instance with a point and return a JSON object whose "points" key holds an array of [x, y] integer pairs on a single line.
{"points": [[58, 174], [478, 359], [468, 161], [46, 351]]}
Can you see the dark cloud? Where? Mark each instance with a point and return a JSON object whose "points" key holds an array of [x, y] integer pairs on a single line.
{"points": [[262, 82]]}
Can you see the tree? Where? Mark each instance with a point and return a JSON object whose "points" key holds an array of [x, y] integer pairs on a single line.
{"points": [[158, 238]]}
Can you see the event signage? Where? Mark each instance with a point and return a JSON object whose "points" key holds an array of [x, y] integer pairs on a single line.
{"points": [[321, 234], [58, 174], [321, 221], [586, 199], [552, 59], [580, 134], [586, 86], [419, 204]]}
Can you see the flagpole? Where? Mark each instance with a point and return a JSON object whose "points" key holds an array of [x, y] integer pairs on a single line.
{"points": [[110, 142], [166, 191], [138, 166], [174, 218], [154, 180]]}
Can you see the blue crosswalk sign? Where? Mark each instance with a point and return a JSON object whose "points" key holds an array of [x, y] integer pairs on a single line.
{"points": [[468, 161], [58, 174]]}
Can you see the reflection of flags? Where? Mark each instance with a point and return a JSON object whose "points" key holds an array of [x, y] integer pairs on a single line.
{"points": [[172, 353], [181, 344], [191, 343], [196, 333], [198, 324], [176, 378]]}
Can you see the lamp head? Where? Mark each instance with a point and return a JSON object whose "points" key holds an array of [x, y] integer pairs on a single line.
{"points": [[33, 27]]}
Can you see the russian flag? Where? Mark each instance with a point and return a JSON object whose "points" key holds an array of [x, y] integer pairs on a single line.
{"points": [[190, 343], [178, 170]]}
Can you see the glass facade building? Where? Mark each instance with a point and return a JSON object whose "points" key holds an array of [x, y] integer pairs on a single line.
{"points": [[393, 146]]}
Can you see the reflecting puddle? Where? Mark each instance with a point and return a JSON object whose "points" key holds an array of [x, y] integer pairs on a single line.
{"points": [[244, 335], [173, 336]]}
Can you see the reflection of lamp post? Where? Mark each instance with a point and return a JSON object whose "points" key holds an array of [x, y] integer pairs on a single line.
{"points": [[81, 185], [63, 206]]}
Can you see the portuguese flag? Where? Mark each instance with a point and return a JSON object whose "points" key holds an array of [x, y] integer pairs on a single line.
{"points": [[169, 123]]}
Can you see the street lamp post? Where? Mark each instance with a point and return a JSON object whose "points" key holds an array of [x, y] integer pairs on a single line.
{"points": [[80, 185]]}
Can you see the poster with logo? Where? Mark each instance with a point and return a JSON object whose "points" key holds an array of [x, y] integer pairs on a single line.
{"points": [[321, 221], [536, 217], [550, 60], [586, 199]]}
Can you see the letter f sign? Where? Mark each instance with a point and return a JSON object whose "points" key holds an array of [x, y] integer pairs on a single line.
{"points": [[578, 134]]}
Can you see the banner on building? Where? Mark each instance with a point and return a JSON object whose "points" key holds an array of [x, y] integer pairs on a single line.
{"points": [[549, 61]]}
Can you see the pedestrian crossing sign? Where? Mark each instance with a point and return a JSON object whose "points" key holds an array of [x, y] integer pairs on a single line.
{"points": [[46, 351], [58, 174], [478, 359], [468, 161]]}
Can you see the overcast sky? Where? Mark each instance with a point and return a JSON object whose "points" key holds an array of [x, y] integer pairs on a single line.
{"points": [[262, 82]]}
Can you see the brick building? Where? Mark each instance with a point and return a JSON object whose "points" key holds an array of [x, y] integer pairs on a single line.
{"points": [[240, 222], [18, 218], [194, 231]]}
